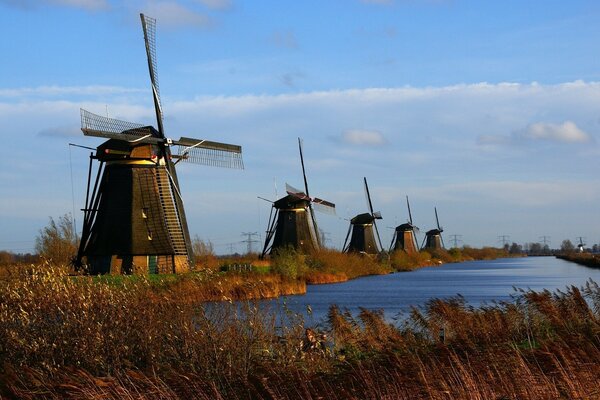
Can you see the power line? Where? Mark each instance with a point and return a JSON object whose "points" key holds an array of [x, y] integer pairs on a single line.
{"points": [[545, 239], [249, 241], [504, 239], [455, 239]]}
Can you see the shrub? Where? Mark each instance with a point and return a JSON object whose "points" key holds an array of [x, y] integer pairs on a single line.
{"points": [[58, 241], [288, 262]]}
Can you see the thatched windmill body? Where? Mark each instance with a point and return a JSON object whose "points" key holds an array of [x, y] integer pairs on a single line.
{"points": [[134, 219], [292, 221], [363, 229], [433, 238], [404, 238]]}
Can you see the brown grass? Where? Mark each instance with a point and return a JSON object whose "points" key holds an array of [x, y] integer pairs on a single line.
{"points": [[62, 337], [587, 259]]}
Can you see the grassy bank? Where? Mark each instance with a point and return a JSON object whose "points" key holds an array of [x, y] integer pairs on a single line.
{"points": [[67, 338], [587, 259]]}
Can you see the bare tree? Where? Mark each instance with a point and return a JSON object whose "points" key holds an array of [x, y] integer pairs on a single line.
{"points": [[58, 241], [567, 246]]}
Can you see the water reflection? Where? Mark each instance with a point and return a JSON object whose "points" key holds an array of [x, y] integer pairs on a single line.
{"points": [[477, 281]]}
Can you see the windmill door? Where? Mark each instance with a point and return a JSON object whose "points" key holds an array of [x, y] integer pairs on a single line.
{"points": [[152, 265]]}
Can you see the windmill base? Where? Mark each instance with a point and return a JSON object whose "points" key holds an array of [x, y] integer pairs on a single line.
{"points": [[137, 265]]}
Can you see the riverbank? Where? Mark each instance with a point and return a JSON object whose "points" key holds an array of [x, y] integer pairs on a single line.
{"points": [[285, 274], [67, 338], [587, 259]]}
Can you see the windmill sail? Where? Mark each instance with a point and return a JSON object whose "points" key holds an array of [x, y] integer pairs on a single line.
{"points": [[110, 128]]}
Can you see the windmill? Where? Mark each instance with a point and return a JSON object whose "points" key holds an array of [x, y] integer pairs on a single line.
{"points": [[134, 220], [580, 245], [292, 220], [404, 235], [361, 227], [433, 238]]}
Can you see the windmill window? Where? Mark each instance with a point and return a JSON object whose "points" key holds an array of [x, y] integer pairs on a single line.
{"points": [[145, 212]]}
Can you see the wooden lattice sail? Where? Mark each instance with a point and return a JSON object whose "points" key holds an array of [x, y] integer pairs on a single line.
{"points": [[134, 219]]}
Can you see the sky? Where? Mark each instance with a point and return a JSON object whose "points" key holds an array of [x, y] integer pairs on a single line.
{"points": [[489, 111]]}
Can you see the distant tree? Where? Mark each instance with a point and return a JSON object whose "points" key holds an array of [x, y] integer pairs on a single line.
{"points": [[567, 246], [546, 249], [58, 240], [535, 248], [515, 248], [202, 248]]}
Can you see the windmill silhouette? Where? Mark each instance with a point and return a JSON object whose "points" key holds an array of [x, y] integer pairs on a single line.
{"points": [[134, 219], [404, 235], [360, 231], [433, 238], [292, 221]]}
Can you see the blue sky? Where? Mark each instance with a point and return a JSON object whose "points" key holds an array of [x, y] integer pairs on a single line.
{"points": [[488, 110]]}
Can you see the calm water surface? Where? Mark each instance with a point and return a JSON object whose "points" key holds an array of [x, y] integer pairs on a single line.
{"points": [[478, 282]]}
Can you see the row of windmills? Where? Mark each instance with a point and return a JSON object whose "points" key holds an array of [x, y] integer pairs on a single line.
{"points": [[292, 223], [134, 220]]}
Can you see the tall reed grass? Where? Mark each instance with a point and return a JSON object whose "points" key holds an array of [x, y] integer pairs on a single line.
{"points": [[62, 337]]}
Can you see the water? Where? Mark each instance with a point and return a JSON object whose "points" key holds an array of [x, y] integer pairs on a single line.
{"points": [[479, 282]]}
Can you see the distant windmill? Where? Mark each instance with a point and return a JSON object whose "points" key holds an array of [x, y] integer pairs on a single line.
{"points": [[433, 238], [360, 231], [404, 235], [292, 220], [580, 245], [134, 220]]}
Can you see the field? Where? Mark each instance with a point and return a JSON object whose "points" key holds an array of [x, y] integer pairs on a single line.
{"points": [[64, 337]]}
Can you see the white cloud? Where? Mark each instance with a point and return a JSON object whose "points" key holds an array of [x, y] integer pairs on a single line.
{"points": [[417, 141], [217, 4], [363, 137], [89, 5], [510, 192], [174, 15], [53, 91], [566, 132]]}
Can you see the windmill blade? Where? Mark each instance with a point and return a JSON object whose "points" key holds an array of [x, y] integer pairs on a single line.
{"points": [[409, 213], [437, 219], [303, 169], [368, 195], [149, 28], [377, 215], [324, 206], [110, 128], [378, 237], [295, 192], [205, 152]]}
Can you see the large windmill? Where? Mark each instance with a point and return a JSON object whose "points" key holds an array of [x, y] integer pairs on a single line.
{"points": [[134, 220], [404, 235], [433, 238], [292, 220], [360, 231]]}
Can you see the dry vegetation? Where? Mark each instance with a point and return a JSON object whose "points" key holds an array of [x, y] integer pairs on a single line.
{"points": [[66, 337], [587, 259]]}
